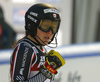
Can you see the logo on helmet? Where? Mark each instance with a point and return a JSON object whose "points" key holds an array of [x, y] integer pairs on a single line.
{"points": [[34, 14], [32, 19], [54, 15], [50, 11]]}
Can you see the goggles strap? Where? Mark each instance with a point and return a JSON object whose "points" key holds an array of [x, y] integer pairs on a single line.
{"points": [[49, 42], [38, 41]]}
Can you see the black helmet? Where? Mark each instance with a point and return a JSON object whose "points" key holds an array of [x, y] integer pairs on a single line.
{"points": [[38, 12]]}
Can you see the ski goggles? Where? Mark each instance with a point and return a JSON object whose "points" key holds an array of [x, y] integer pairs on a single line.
{"points": [[47, 25]]}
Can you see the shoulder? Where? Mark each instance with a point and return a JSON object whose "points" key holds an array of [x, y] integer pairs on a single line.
{"points": [[25, 43], [23, 46]]}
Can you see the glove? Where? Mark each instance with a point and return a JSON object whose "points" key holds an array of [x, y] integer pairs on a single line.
{"points": [[55, 59], [53, 62], [47, 69]]}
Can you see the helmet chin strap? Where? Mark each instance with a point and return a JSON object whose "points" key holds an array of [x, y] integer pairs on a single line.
{"points": [[47, 44]]}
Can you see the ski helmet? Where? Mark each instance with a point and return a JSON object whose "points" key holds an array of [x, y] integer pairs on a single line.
{"points": [[38, 12]]}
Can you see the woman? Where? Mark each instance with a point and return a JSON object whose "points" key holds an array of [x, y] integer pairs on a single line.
{"points": [[29, 61]]}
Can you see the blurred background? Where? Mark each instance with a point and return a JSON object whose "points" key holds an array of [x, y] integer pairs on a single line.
{"points": [[78, 37]]}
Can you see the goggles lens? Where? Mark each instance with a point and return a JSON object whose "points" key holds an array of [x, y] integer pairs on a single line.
{"points": [[47, 25]]}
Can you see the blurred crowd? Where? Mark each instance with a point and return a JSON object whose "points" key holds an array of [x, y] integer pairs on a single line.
{"points": [[7, 34]]}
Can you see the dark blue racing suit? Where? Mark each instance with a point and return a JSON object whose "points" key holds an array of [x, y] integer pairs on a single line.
{"points": [[26, 60]]}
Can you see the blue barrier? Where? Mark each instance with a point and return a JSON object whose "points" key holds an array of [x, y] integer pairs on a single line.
{"points": [[67, 52]]}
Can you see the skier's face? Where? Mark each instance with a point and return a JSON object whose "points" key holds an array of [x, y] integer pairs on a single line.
{"points": [[44, 36]]}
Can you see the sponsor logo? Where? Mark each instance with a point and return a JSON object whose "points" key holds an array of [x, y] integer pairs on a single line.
{"points": [[20, 78], [34, 14], [50, 11], [32, 19], [54, 15], [42, 61], [21, 71], [24, 57], [51, 69], [35, 50]]}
